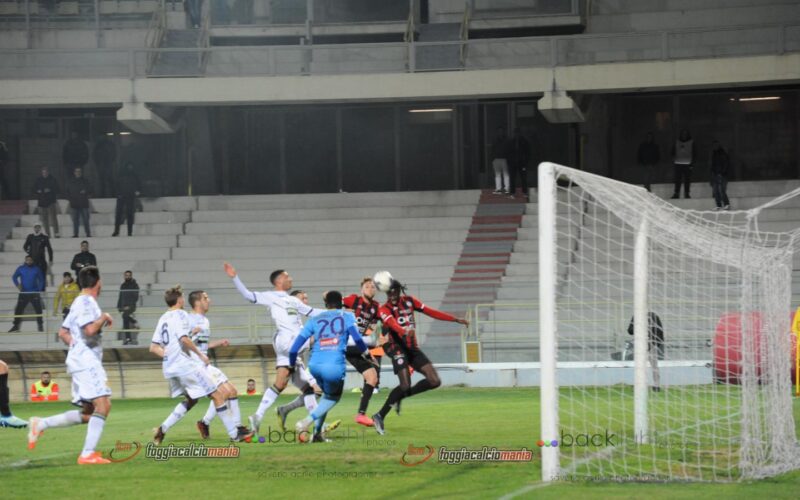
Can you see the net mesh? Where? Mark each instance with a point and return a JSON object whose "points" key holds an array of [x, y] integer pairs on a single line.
{"points": [[719, 406]]}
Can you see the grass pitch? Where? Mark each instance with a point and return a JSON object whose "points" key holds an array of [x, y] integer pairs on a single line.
{"points": [[357, 464]]}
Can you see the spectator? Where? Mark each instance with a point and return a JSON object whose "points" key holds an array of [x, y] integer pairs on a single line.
{"points": [[36, 245], [78, 193], [127, 190], [499, 154], [3, 162], [28, 278], [44, 389], [46, 190], [75, 153], [126, 304], [83, 259], [66, 293], [251, 387], [683, 158], [720, 167], [105, 157], [519, 154], [195, 9], [648, 158], [655, 345]]}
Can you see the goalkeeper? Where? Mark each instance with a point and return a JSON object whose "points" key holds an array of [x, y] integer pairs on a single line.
{"points": [[330, 330], [655, 345]]}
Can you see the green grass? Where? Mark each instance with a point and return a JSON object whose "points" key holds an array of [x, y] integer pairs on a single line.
{"points": [[357, 464]]}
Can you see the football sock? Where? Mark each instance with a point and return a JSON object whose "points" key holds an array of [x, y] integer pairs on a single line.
{"points": [[227, 419], [270, 395], [394, 396], [366, 394], [174, 417], [322, 408], [318, 425], [93, 433], [421, 386], [233, 404], [310, 401], [210, 413], [61, 420], [295, 403], [5, 411]]}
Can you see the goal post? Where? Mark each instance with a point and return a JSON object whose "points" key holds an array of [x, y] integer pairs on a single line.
{"points": [[712, 402]]}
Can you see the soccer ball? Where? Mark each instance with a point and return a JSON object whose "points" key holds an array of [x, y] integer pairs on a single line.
{"points": [[383, 280]]}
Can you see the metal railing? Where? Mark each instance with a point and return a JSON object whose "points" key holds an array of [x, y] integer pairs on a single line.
{"points": [[155, 36], [528, 52], [464, 32]]}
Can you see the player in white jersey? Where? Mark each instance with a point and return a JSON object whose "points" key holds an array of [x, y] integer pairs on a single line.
{"points": [[172, 342], [201, 336], [286, 312], [82, 331]]}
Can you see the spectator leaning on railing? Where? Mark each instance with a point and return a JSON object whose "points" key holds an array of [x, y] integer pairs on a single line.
{"points": [[83, 258], [29, 279], [65, 295], [44, 389]]}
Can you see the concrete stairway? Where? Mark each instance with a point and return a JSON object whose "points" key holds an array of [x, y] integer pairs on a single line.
{"points": [[179, 63]]}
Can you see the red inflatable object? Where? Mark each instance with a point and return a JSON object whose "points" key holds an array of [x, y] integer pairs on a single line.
{"points": [[728, 349]]}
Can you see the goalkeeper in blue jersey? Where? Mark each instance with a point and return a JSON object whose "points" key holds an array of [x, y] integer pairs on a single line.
{"points": [[330, 331]]}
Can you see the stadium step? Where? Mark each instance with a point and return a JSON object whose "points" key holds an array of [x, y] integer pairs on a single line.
{"points": [[480, 268]]}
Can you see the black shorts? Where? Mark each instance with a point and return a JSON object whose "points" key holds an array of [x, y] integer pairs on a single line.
{"points": [[353, 356], [403, 356]]}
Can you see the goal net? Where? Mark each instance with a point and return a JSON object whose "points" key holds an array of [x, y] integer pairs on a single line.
{"points": [[618, 268]]}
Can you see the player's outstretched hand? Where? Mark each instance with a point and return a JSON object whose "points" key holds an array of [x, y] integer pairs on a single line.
{"points": [[464, 322], [229, 270], [225, 342]]}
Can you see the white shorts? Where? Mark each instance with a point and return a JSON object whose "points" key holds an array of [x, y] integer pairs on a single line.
{"points": [[282, 343], [89, 384], [217, 377], [196, 384]]}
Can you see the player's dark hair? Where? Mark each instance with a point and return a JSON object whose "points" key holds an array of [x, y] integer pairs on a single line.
{"points": [[295, 293], [396, 286], [333, 299], [195, 296], [172, 295], [274, 275], [88, 277]]}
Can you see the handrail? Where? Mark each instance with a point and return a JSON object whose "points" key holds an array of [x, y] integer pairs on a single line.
{"points": [[155, 34], [152, 53], [205, 43], [408, 39], [464, 34]]}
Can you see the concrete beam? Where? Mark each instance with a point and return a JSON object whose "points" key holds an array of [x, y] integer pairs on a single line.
{"points": [[139, 118], [617, 77], [558, 107]]}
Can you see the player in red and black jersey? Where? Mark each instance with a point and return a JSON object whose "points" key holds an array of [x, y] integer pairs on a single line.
{"points": [[365, 308], [402, 347]]}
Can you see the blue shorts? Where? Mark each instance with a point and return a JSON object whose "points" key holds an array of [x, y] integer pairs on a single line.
{"points": [[330, 378]]}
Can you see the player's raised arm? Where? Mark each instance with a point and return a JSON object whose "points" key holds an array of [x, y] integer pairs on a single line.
{"points": [[231, 272], [435, 313]]}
